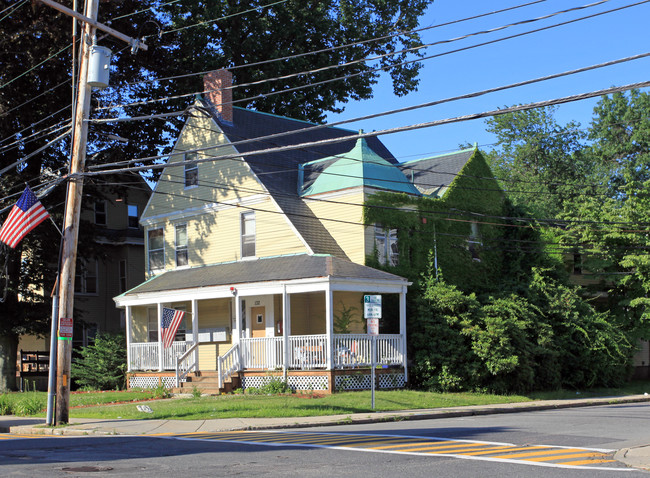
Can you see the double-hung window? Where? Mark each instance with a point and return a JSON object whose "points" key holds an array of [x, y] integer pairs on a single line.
{"points": [[181, 245], [100, 213], [132, 216], [191, 170], [156, 246], [122, 272], [386, 244], [248, 234], [85, 281], [474, 242]]}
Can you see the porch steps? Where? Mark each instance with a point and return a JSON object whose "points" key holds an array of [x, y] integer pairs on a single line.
{"points": [[208, 383]]}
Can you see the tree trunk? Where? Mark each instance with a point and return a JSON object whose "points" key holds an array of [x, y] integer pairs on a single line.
{"points": [[8, 356]]}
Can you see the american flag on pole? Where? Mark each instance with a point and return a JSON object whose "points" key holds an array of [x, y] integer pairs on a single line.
{"points": [[171, 319], [24, 216]]}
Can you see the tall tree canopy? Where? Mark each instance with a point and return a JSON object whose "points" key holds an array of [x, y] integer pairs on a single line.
{"points": [[184, 39]]}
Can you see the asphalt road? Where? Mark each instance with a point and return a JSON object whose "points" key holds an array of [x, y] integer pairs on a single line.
{"points": [[565, 443]]}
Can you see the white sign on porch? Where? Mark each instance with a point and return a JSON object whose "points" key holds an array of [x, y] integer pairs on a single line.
{"points": [[372, 306]]}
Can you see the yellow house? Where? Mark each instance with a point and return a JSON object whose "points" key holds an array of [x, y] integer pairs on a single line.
{"points": [[255, 231]]}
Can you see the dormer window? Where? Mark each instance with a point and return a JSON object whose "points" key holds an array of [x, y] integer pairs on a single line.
{"points": [[191, 170]]}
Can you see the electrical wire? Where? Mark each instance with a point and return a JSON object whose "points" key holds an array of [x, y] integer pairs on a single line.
{"points": [[374, 70], [13, 8], [457, 119], [338, 47]]}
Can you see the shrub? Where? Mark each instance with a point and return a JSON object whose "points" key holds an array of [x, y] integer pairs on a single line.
{"points": [[102, 365], [5, 405]]}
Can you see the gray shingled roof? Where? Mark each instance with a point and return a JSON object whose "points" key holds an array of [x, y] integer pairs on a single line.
{"points": [[282, 268], [433, 175], [279, 171]]}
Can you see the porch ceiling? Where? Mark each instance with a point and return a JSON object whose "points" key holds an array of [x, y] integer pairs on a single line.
{"points": [[283, 269]]}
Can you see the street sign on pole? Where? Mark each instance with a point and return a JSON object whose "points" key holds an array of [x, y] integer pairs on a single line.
{"points": [[372, 306], [373, 326]]}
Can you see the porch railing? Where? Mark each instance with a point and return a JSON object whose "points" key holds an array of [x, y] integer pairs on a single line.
{"points": [[185, 363], [353, 350], [267, 353], [228, 363], [145, 356]]}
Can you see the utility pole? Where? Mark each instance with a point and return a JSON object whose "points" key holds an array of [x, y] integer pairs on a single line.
{"points": [[71, 222], [73, 201]]}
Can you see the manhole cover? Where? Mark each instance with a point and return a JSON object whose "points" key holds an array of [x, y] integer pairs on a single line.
{"points": [[88, 469]]}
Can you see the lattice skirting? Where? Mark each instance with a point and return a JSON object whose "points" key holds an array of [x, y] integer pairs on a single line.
{"points": [[296, 382], [151, 381], [363, 382]]}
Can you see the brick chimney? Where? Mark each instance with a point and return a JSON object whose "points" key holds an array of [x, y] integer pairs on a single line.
{"points": [[216, 87]]}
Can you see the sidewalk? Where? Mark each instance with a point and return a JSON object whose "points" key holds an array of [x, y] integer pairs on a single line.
{"points": [[638, 456]]}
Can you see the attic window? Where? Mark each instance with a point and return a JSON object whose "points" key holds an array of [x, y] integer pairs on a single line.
{"points": [[474, 242], [191, 170], [248, 234], [386, 244]]}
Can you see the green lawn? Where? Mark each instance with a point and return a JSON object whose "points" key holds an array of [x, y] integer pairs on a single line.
{"points": [[103, 404]]}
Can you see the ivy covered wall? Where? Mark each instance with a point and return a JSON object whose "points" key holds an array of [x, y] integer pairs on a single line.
{"points": [[459, 228]]}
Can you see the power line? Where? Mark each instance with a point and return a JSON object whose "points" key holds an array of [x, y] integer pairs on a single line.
{"points": [[338, 47], [375, 70], [457, 119], [13, 8]]}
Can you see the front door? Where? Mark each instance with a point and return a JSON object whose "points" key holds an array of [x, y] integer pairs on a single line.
{"points": [[258, 322]]}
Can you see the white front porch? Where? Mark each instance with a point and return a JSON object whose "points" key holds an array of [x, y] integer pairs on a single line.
{"points": [[303, 323], [304, 352]]}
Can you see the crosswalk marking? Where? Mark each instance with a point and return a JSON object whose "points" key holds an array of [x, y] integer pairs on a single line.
{"points": [[535, 455]]}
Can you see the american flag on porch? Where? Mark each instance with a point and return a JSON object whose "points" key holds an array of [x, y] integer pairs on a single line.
{"points": [[24, 216], [171, 319]]}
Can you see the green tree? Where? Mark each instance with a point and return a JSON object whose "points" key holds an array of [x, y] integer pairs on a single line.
{"points": [[102, 365], [618, 238], [541, 163]]}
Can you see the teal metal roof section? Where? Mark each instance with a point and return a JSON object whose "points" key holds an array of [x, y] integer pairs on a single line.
{"points": [[361, 166]]}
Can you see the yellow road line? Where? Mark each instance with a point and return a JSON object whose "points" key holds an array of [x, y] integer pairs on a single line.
{"points": [[562, 457], [507, 449], [537, 453], [584, 462], [406, 445], [450, 447]]}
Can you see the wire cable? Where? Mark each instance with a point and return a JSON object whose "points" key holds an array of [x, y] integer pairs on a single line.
{"points": [[457, 119]]}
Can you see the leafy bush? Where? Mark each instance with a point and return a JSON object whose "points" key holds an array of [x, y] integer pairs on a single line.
{"points": [[5, 405], [274, 386], [29, 404], [547, 337], [102, 365]]}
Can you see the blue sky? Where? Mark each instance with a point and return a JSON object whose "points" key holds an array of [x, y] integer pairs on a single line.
{"points": [[604, 38]]}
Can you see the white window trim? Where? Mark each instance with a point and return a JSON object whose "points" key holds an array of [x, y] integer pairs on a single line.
{"points": [[386, 256], [192, 167], [176, 246], [149, 268], [242, 236]]}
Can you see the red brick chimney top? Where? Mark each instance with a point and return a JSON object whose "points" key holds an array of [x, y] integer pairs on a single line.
{"points": [[217, 90]]}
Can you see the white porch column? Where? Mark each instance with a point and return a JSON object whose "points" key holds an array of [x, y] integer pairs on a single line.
{"points": [[128, 324], [402, 328], [286, 313], [195, 331], [236, 330], [329, 324], [161, 362]]}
